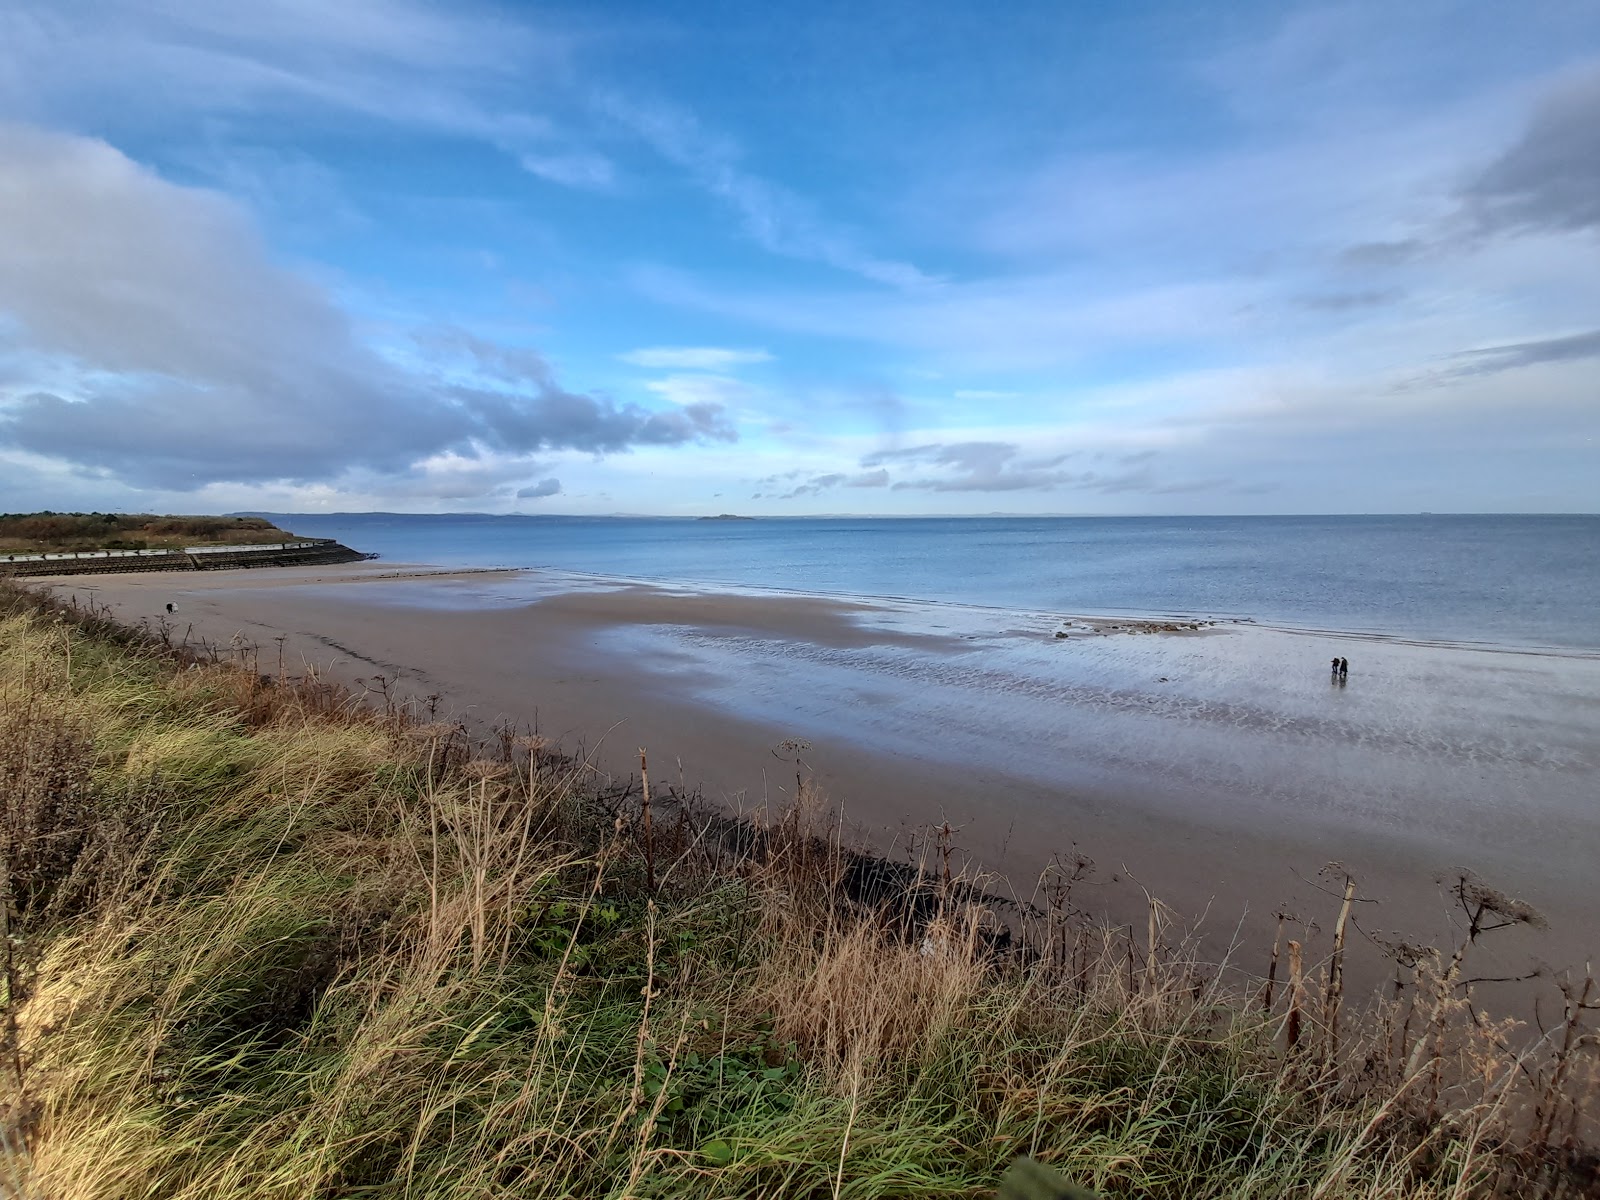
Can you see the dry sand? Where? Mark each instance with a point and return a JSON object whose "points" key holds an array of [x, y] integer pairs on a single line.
{"points": [[1219, 768]]}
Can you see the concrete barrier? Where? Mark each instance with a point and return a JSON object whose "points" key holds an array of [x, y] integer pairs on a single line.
{"points": [[322, 551], [75, 555]]}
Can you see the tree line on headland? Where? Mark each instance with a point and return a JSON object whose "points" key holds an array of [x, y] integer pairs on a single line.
{"points": [[54, 532]]}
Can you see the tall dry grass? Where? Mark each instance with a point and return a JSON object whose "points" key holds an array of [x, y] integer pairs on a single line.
{"points": [[262, 941]]}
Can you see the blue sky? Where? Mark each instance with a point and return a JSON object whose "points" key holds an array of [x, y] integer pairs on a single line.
{"points": [[834, 257]]}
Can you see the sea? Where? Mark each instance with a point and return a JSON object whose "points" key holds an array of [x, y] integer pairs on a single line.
{"points": [[1505, 580], [1221, 765]]}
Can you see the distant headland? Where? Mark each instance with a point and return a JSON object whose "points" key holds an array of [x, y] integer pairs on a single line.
{"points": [[54, 543], [725, 517]]}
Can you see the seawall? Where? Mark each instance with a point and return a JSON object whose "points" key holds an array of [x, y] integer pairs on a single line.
{"points": [[206, 558]]}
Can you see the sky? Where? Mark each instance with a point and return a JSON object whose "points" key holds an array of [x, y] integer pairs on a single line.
{"points": [[867, 257]]}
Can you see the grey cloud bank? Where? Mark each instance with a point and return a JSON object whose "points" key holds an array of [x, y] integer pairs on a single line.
{"points": [[1003, 467], [1385, 258], [977, 467], [538, 491], [1550, 177], [180, 354], [1527, 354]]}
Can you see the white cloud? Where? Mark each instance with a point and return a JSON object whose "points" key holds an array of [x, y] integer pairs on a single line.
{"points": [[688, 391], [472, 70], [579, 169], [246, 73], [979, 467], [395, 60], [1192, 296], [152, 337], [694, 358]]}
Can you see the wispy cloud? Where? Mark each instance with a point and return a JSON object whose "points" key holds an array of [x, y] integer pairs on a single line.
{"points": [[977, 467], [579, 169], [1493, 359], [1275, 255], [690, 391], [1007, 322], [818, 484], [399, 61], [772, 216], [1004, 467], [1338, 302], [694, 358]]}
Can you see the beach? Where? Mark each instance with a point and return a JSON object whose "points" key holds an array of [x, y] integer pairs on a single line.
{"points": [[1217, 767]]}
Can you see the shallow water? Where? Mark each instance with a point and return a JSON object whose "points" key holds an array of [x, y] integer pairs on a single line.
{"points": [[1512, 580], [1483, 754], [1216, 767]]}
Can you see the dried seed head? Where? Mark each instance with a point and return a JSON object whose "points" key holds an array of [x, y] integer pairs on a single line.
{"points": [[1477, 894], [486, 768]]}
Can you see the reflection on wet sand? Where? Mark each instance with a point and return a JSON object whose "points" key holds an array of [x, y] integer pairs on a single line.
{"points": [[1206, 761]]}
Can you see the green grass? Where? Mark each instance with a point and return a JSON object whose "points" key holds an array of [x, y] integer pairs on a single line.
{"points": [[267, 944], [55, 532]]}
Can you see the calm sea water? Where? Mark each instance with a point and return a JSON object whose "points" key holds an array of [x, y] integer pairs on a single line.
{"points": [[1513, 580]]}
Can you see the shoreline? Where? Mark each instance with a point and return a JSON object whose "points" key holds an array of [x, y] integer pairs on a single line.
{"points": [[388, 571], [712, 682], [467, 929]]}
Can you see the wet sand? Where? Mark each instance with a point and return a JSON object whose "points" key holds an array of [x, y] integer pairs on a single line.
{"points": [[1218, 767]]}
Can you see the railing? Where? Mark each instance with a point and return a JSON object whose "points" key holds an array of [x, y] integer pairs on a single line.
{"points": [[70, 555], [273, 546]]}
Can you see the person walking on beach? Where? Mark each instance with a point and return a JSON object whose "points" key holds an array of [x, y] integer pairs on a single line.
{"points": [[1336, 666], [1344, 667]]}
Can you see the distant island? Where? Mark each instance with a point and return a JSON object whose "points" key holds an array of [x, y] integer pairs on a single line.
{"points": [[725, 517]]}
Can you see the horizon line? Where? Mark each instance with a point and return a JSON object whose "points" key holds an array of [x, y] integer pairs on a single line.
{"points": [[839, 516]]}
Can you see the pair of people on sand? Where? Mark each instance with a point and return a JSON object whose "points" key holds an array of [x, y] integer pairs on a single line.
{"points": [[1341, 667]]}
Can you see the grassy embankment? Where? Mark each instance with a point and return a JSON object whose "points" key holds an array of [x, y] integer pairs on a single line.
{"points": [[266, 943], [53, 533]]}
